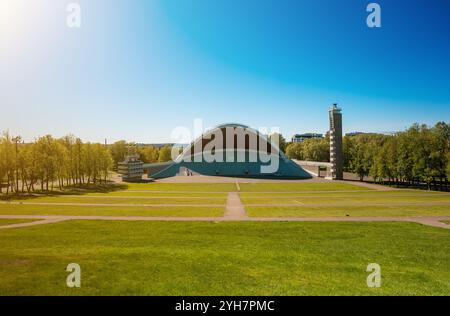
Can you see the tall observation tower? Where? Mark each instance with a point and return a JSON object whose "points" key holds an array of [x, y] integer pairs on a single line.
{"points": [[336, 152]]}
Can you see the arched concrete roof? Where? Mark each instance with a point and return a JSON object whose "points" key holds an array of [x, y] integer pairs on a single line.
{"points": [[193, 160], [273, 147]]}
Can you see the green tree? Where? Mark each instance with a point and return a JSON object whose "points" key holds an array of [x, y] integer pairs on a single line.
{"points": [[316, 149], [149, 154], [277, 138], [7, 161], [165, 154], [295, 151], [118, 152]]}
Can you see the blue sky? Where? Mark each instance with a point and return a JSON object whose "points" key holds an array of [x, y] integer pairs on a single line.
{"points": [[135, 70]]}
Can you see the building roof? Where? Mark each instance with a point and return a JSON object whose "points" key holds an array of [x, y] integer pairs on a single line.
{"points": [[195, 161], [308, 135]]}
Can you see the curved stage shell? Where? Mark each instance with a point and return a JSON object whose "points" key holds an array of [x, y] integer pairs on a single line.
{"points": [[233, 150]]}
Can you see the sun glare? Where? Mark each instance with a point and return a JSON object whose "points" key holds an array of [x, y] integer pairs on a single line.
{"points": [[20, 21]]}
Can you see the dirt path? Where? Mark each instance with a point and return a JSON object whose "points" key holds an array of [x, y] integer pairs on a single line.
{"points": [[233, 198], [435, 221], [234, 209], [43, 221]]}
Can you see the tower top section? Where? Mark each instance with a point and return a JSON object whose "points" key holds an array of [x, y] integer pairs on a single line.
{"points": [[335, 108]]}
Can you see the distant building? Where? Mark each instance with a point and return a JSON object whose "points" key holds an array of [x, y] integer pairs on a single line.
{"points": [[371, 133], [131, 169], [298, 138], [354, 134], [160, 145]]}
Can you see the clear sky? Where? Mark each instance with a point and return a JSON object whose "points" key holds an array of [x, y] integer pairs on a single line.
{"points": [[137, 69]]}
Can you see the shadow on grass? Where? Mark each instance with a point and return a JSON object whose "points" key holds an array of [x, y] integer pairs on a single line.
{"points": [[70, 190]]}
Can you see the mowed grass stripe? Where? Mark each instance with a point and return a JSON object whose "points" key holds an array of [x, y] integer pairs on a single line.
{"points": [[185, 187], [159, 194], [245, 258], [185, 211], [359, 193], [346, 200], [338, 211], [7, 221], [131, 200], [280, 187]]}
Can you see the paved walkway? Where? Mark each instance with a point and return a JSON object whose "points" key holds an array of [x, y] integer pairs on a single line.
{"points": [[435, 221], [40, 221], [234, 209]]}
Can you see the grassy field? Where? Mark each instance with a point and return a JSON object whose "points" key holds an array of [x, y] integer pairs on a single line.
{"points": [[186, 211], [357, 203], [194, 199], [368, 193], [128, 200], [199, 200], [191, 187], [7, 221], [388, 199], [287, 187], [339, 211], [226, 258], [194, 258], [149, 193]]}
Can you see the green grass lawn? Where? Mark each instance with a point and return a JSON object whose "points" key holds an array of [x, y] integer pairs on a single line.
{"points": [[148, 193], [307, 186], [7, 221], [192, 187], [355, 193], [128, 200], [327, 211], [246, 258], [345, 200], [185, 211]]}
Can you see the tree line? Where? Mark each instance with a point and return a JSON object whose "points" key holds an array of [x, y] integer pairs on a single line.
{"points": [[48, 162], [418, 155], [147, 153], [314, 149]]}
